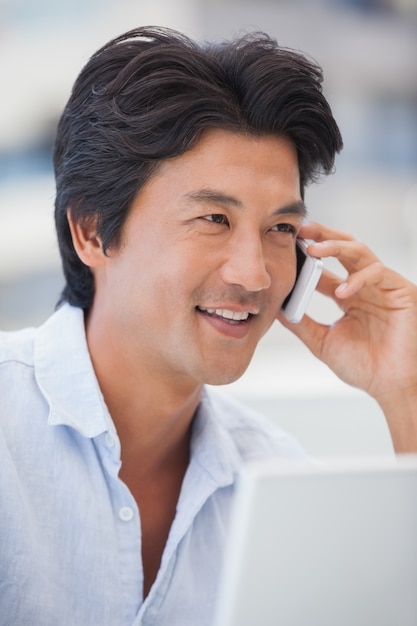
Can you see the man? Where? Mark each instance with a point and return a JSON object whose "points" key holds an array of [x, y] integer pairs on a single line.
{"points": [[180, 175]]}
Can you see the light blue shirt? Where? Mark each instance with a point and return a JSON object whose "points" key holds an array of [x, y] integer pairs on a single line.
{"points": [[70, 534]]}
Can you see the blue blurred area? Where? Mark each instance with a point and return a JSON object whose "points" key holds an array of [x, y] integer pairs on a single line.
{"points": [[25, 163], [366, 47], [368, 50]]}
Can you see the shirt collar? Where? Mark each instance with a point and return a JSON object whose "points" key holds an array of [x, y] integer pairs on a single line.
{"points": [[212, 444], [214, 464], [65, 374], [66, 377]]}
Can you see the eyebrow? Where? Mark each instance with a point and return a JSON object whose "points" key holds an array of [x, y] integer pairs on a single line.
{"points": [[217, 197]]}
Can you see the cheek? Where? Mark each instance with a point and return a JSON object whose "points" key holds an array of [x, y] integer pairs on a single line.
{"points": [[167, 283], [283, 275]]}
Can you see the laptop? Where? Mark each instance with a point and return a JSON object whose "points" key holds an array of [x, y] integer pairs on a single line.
{"points": [[323, 545]]}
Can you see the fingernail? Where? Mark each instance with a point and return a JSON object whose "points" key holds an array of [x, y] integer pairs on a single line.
{"points": [[341, 288]]}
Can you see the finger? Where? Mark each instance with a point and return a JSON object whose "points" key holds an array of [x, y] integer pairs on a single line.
{"points": [[319, 232], [379, 276], [328, 283], [310, 332], [352, 254], [374, 275], [330, 242]]}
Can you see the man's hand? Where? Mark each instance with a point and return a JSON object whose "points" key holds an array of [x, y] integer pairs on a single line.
{"points": [[373, 346]]}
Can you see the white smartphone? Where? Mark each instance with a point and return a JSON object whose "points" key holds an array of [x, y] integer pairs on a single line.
{"points": [[309, 270]]}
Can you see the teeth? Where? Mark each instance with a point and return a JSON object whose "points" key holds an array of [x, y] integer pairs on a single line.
{"points": [[229, 315]]}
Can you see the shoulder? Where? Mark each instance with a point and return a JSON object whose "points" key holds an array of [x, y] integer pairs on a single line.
{"points": [[17, 347], [19, 395], [255, 435]]}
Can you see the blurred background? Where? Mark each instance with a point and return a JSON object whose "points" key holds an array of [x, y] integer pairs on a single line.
{"points": [[368, 50]]}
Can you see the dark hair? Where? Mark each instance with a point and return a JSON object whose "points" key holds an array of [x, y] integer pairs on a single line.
{"points": [[148, 95]]}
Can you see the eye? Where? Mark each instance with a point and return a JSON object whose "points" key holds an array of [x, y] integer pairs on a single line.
{"points": [[217, 218], [285, 228]]}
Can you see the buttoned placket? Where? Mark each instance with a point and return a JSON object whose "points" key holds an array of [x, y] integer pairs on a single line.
{"points": [[128, 529]]}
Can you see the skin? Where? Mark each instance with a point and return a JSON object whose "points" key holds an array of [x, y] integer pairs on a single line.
{"points": [[211, 237], [373, 346]]}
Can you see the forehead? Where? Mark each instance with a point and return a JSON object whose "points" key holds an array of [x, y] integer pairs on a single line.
{"points": [[221, 154], [218, 143], [259, 174]]}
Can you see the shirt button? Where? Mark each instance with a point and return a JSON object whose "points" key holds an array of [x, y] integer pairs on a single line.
{"points": [[126, 513]]}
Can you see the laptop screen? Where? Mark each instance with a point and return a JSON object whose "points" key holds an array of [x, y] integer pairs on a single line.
{"points": [[325, 545]]}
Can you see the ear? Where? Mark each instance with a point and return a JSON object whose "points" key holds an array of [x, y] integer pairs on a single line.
{"points": [[87, 243]]}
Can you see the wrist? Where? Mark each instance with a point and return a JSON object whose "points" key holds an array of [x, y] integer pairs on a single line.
{"points": [[400, 410]]}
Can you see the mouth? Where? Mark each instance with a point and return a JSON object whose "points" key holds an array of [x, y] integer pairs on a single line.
{"points": [[227, 315]]}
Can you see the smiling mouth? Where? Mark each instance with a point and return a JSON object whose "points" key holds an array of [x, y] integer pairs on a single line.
{"points": [[232, 317]]}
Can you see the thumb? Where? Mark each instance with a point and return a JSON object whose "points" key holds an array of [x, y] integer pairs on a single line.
{"points": [[310, 332]]}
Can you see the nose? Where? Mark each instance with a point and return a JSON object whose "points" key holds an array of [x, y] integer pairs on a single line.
{"points": [[245, 264]]}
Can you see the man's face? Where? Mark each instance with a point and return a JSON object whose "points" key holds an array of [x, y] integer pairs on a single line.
{"points": [[206, 259]]}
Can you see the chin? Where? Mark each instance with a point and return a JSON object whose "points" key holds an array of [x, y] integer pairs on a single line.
{"points": [[224, 377], [223, 367]]}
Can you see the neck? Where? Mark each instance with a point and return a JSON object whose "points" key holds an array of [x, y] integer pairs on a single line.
{"points": [[152, 412]]}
